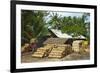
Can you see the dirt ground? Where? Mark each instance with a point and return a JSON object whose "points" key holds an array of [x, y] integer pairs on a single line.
{"points": [[27, 57]]}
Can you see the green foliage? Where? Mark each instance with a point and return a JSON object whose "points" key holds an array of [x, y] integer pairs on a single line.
{"points": [[34, 24], [39, 23], [55, 21], [75, 26], [70, 25]]}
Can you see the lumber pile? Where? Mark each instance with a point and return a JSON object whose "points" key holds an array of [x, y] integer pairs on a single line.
{"points": [[60, 51], [42, 52], [55, 40], [25, 48], [52, 51], [28, 46], [57, 53], [76, 45], [39, 53]]}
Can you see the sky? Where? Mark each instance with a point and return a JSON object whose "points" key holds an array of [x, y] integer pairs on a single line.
{"points": [[72, 14]]}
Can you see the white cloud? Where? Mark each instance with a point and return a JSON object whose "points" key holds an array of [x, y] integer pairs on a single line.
{"points": [[72, 14]]}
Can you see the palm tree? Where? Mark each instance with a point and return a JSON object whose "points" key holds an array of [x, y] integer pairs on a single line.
{"points": [[26, 19], [33, 24], [55, 21]]}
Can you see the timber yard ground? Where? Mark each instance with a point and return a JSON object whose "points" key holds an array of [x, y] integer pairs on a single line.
{"points": [[27, 57]]}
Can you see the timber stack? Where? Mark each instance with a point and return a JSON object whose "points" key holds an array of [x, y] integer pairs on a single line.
{"points": [[53, 48], [60, 51], [76, 45], [42, 51]]}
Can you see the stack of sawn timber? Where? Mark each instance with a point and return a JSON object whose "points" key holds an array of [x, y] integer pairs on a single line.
{"points": [[76, 45], [60, 51], [42, 51]]}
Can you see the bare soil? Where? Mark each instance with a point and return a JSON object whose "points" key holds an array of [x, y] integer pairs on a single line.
{"points": [[27, 57]]}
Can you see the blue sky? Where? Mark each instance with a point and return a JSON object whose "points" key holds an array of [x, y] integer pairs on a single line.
{"points": [[77, 14], [62, 14]]}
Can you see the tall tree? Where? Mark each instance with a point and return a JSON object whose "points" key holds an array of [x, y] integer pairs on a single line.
{"points": [[33, 24], [55, 21]]}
